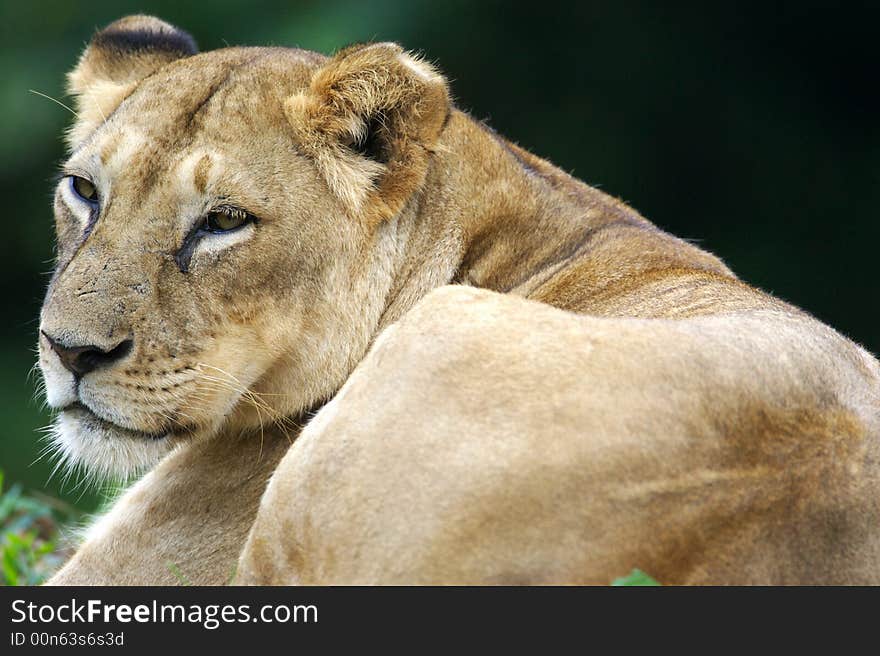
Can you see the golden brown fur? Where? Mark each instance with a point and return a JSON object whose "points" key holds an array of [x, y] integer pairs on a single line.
{"points": [[607, 443], [611, 397], [191, 512]]}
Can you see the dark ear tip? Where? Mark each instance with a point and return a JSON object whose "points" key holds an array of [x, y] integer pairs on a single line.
{"points": [[134, 34]]}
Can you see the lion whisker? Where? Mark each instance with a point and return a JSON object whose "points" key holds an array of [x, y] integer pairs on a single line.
{"points": [[54, 100]]}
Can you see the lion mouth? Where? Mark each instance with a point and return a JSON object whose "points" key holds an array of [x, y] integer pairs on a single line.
{"points": [[91, 420]]}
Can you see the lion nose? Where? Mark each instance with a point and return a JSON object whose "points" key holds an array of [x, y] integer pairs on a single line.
{"points": [[80, 360]]}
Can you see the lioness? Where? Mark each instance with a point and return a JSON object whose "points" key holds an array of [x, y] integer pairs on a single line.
{"points": [[505, 376]]}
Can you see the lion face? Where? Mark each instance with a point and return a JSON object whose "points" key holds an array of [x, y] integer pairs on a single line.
{"points": [[222, 256]]}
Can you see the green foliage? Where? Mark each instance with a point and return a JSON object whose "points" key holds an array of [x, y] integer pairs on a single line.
{"points": [[29, 532], [179, 575], [635, 577]]}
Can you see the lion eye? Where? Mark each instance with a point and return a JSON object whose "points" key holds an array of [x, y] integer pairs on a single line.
{"points": [[226, 219], [84, 189]]}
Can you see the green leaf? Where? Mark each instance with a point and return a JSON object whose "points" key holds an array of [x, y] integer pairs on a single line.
{"points": [[10, 571], [9, 501], [29, 527], [177, 573], [635, 577]]}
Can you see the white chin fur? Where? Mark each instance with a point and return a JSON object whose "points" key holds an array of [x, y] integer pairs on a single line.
{"points": [[102, 452]]}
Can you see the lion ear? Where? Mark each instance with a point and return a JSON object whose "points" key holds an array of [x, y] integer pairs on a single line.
{"points": [[370, 118], [115, 61]]}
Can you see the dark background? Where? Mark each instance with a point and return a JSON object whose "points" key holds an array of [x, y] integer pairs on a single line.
{"points": [[750, 127]]}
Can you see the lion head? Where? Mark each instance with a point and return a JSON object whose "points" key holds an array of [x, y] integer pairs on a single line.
{"points": [[226, 234]]}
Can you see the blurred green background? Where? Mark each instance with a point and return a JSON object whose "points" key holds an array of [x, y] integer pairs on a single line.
{"points": [[750, 127]]}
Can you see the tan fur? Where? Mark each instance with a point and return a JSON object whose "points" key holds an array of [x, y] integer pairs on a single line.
{"points": [[191, 514], [360, 84], [553, 448], [613, 397]]}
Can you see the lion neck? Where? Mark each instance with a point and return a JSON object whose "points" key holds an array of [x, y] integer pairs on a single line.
{"points": [[492, 215]]}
